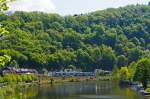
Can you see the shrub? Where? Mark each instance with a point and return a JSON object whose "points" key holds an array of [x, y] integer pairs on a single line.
{"points": [[34, 77], [24, 77], [1, 80], [147, 90], [29, 78], [14, 78], [19, 78], [7, 78]]}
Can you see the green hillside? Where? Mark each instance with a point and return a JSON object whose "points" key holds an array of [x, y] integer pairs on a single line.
{"points": [[101, 39]]}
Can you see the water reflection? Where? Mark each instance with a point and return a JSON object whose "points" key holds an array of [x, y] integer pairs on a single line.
{"points": [[98, 97], [82, 90]]}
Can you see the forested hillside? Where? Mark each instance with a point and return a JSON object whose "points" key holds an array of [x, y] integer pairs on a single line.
{"points": [[101, 39]]}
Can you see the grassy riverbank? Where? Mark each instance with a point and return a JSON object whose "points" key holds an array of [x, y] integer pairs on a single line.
{"points": [[17, 78], [24, 82], [8, 79], [53, 80]]}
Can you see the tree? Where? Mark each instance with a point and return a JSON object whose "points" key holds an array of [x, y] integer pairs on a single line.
{"points": [[121, 61], [124, 73], [100, 31], [14, 64], [132, 69], [4, 60], [142, 73], [134, 54], [3, 32], [108, 59], [83, 60], [115, 72], [3, 7]]}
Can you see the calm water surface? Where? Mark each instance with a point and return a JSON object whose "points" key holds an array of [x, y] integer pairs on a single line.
{"points": [[81, 90]]}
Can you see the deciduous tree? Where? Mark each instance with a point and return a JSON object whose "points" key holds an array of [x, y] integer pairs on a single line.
{"points": [[142, 73]]}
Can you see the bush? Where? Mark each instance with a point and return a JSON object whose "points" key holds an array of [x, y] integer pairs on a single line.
{"points": [[34, 78], [7, 78], [147, 90], [24, 77], [124, 73], [1, 80], [14, 78], [18, 78], [29, 78]]}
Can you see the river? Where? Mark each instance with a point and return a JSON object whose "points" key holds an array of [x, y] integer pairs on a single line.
{"points": [[79, 90]]}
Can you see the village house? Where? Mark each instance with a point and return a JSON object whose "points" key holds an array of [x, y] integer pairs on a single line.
{"points": [[12, 70]]}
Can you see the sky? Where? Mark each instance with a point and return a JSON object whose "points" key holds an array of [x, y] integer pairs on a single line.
{"points": [[70, 7]]}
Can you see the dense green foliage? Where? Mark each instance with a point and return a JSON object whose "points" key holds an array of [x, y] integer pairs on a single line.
{"points": [[142, 73], [137, 71], [3, 33], [4, 60], [3, 7], [8, 78], [100, 39]]}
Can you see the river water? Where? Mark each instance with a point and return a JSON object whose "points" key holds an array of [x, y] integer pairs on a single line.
{"points": [[79, 90]]}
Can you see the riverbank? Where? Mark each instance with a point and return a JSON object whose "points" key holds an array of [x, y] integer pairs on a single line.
{"points": [[52, 80], [136, 87], [44, 79], [41, 80]]}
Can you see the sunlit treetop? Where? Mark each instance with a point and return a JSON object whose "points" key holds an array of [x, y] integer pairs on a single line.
{"points": [[3, 5], [4, 60]]}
